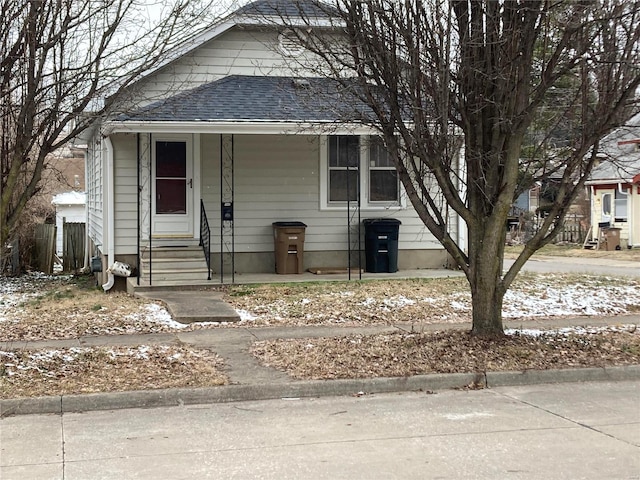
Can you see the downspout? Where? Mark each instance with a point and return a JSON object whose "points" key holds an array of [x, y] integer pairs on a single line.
{"points": [[592, 212], [86, 211], [463, 234], [629, 196], [110, 214]]}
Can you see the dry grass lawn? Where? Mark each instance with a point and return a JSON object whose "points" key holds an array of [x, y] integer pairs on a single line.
{"points": [[405, 354], [36, 308], [27, 373]]}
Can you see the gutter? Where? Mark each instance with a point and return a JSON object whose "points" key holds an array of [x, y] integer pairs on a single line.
{"points": [[239, 127], [610, 181]]}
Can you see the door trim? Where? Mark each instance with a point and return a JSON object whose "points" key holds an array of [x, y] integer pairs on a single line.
{"points": [[185, 223]]}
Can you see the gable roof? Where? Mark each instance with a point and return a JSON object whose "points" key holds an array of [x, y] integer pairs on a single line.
{"points": [[258, 13], [239, 98], [622, 155]]}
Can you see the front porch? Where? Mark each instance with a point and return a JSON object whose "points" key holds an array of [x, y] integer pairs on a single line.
{"points": [[134, 287], [181, 183]]}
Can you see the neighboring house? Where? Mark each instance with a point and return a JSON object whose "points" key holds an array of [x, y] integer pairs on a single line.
{"points": [[70, 208], [231, 130], [615, 185]]}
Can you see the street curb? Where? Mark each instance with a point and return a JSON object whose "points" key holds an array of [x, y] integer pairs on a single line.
{"points": [[306, 388]]}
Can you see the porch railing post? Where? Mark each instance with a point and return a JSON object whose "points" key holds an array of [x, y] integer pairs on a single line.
{"points": [[205, 238]]}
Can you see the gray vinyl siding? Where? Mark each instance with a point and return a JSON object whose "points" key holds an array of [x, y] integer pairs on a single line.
{"points": [[95, 193], [125, 193], [277, 179], [235, 52]]}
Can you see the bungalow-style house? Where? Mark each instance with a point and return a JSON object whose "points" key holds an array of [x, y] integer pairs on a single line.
{"points": [[227, 138], [615, 189]]}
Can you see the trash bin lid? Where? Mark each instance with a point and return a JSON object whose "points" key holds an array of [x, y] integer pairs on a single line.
{"points": [[288, 224], [381, 221]]}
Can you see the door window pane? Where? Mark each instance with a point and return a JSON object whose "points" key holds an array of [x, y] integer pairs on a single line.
{"points": [[171, 196], [171, 178], [606, 205], [171, 159]]}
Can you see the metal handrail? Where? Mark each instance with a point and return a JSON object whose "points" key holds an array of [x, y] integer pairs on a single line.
{"points": [[205, 238]]}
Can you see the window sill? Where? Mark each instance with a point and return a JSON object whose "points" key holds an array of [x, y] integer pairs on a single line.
{"points": [[363, 208]]}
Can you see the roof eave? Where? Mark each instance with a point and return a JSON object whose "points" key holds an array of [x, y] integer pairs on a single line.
{"points": [[608, 181], [265, 127]]}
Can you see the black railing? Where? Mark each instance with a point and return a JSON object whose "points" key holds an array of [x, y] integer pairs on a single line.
{"points": [[205, 238]]}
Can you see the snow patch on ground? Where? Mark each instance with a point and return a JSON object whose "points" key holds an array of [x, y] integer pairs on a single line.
{"points": [[154, 313], [559, 300], [246, 315], [534, 332]]}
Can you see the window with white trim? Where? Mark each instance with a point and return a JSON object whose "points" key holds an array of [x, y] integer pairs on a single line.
{"points": [[344, 161], [352, 164], [620, 206], [383, 177]]}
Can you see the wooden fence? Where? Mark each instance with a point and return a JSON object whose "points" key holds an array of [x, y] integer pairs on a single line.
{"points": [[45, 247], [73, 246], [573, 231]]}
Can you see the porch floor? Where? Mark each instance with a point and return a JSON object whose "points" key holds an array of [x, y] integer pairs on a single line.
{"points": [[253, 278]]}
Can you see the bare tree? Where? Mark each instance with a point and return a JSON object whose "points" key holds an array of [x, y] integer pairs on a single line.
{"points": [[63, 63], [490, 76]]}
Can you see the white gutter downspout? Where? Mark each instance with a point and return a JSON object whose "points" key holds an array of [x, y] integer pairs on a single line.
{"points": [[87, 239], [110, 210], [594, 232], [629, 194], [463, 234]]}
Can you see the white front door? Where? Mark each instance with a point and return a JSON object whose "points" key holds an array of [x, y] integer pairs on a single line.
{"points": [[172, 173]]}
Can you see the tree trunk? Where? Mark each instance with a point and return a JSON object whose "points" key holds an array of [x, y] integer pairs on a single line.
{"points": [[485, 275], [486, 302]]}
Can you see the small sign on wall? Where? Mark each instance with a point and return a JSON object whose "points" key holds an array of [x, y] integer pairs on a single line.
{"points": [[227, 211]]}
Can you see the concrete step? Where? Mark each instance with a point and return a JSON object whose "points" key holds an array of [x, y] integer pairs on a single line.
{"points": [[182, 285], [187, 251], [174, 263], [195, 274]]}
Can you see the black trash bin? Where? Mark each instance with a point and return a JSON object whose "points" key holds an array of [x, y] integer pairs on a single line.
{"points": [[288, 240], [381, 244]]}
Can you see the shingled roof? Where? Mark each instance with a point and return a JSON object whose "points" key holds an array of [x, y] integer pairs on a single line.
{"points": [[621, 154], [286, 8], [239, 98]]}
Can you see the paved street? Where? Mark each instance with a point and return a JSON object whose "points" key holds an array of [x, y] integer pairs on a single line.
{"points": [[574, 430], [580, 265]]}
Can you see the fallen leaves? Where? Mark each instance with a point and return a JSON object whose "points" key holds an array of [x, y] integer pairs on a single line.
{"points": [[402, 354], [33, 373]]}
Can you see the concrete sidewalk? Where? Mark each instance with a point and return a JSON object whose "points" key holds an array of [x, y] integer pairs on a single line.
{"points": [[251, 381], [563, 431]]}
